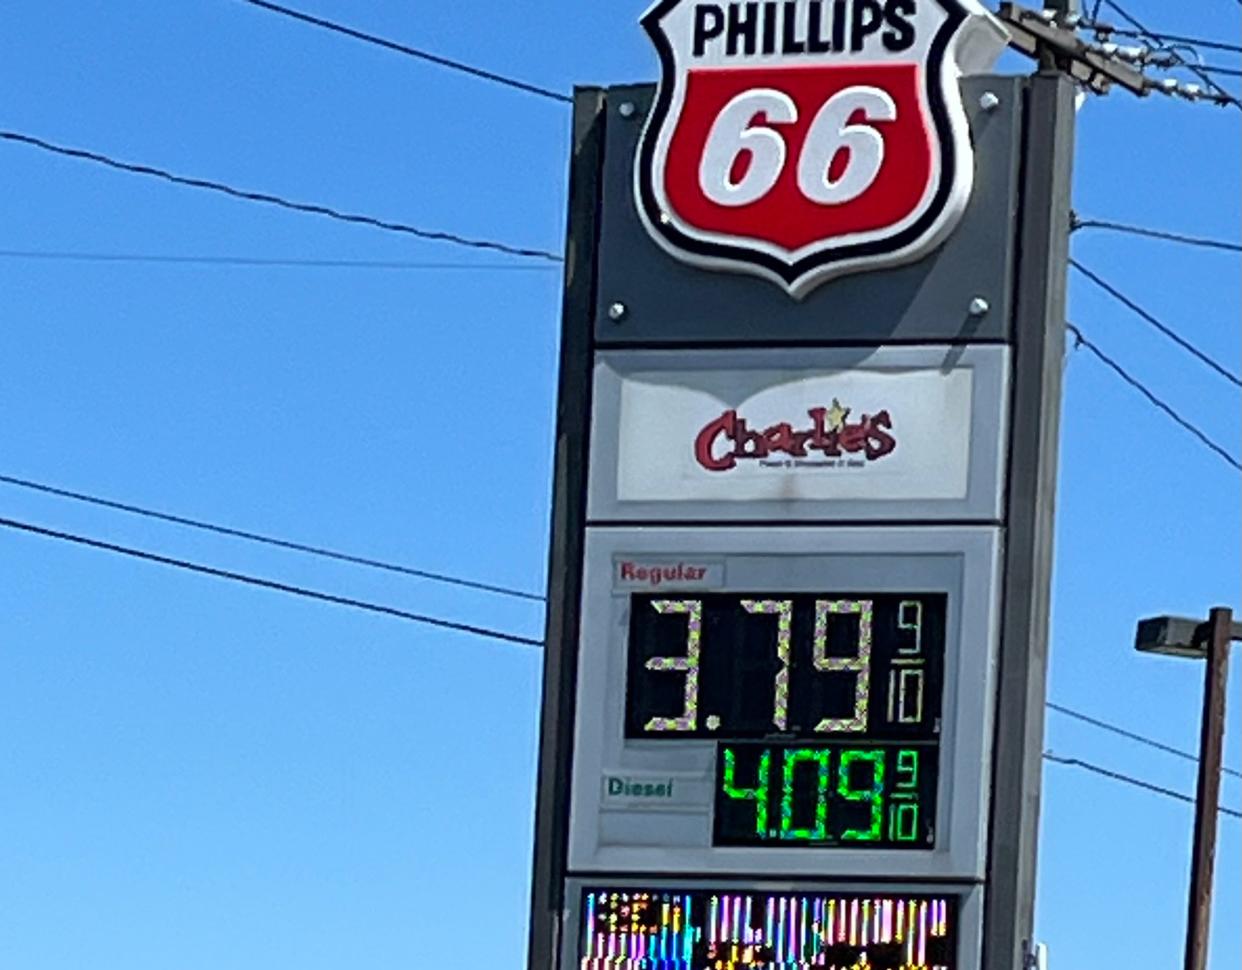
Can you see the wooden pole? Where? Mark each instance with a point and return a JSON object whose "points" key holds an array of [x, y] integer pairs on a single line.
{"points": [[1207, 799]]}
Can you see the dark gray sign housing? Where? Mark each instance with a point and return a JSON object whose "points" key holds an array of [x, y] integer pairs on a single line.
{"points": [[659, 489]]}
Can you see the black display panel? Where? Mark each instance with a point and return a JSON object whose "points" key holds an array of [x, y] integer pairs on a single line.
{"points": [[862, 666], [706, 929], [826, 795]]}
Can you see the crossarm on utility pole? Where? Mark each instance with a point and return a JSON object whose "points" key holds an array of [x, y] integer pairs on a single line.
{"points": [[1032, 34]]}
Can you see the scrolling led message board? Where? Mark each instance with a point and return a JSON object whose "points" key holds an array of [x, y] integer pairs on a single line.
{"points": [[654, 929], [828, 679]]}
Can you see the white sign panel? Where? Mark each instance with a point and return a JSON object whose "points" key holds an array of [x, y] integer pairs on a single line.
{"points": [[747, 435], [893, 433]]}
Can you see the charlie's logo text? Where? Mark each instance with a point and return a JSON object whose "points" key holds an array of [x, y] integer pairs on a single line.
{"points": [[727, 440]]}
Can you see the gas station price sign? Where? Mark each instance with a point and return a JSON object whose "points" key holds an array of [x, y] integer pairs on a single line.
{"points": [[825, 795], [864, 667]]}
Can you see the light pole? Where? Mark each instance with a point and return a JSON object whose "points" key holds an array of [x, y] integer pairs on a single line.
{"points": [[1181, 637]]}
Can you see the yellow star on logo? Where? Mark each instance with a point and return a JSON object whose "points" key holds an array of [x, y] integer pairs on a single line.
{"points": [[836, 416]]}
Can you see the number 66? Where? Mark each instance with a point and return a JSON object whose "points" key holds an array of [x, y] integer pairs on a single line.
{"points": [[830, 132]]}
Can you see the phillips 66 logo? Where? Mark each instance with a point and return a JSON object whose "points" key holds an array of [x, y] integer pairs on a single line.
{"points": [[803, 139]]}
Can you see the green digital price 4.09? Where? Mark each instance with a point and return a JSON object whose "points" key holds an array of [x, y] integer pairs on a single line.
{"points": [[874, 796]]}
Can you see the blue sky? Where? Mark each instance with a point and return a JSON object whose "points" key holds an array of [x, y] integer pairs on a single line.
{"points": [[199, 775]]}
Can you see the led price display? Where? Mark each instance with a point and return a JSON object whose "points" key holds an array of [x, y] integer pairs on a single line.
{"points": [[789, 665], [728, 930], [837, 795]]}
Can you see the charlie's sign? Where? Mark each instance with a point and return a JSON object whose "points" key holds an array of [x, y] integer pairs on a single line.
{"points": [[804, 139], [867, 434]]}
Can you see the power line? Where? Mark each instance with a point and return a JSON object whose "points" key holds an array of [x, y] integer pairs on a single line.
{"points": [[279, 201], [422, 55], [1226, 71], [1177, 237], [1164, 328], [457, 581], [261, 261], [268, 540], [1203, 76], [530, 253], [426, 620], [271, 584], [450, 580], [1135, 782], [1215, 45], [1152, 398], [1132, 736]]}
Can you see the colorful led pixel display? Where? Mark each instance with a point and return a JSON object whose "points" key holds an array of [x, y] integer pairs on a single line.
{"points": [[790, 665], [639, 929], [826, 795]]}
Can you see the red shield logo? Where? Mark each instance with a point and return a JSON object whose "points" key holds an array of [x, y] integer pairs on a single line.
{"points": [[803, 139]]}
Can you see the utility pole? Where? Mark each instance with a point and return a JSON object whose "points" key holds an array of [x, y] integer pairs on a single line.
{"points": [[1207, 799], [1050, 36], [1210, 641]]}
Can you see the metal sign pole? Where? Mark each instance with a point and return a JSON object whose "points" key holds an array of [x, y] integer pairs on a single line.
{"points": [[568, 521], [1040, 340]]}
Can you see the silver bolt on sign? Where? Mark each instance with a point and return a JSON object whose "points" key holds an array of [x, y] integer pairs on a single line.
{"points": [[803, 140]]}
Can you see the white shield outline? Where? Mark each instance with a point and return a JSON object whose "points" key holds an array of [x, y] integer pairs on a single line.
{"points": [[969, 38]]}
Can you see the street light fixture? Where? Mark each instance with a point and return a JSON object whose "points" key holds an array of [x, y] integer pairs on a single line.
{"points": [[1178, 636]]}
